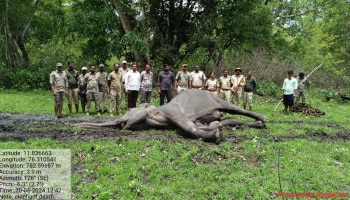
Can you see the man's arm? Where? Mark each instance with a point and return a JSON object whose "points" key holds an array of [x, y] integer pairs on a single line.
{"points": [[159, 81]]}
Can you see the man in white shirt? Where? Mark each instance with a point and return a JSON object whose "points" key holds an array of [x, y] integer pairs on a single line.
{"points": [[132, 86], [289, 90]]}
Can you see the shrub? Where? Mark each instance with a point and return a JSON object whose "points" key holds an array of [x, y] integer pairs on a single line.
{"points": [[267, 88], [23, 79]]}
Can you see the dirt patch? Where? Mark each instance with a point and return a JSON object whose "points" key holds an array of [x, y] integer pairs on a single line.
{"points": [[25, 126]]}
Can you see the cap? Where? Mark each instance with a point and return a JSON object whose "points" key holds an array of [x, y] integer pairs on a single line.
{"points": [[238, 69], [184, 65], [83, 68], [124, 62], [59, 65], [101, 65]]}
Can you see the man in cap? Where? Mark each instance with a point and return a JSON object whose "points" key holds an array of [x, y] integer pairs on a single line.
{"points": [[198, 78], [73, 90], [82, 90], [123, 72], [92, 92], [237, 82], [59, 88], [102, 87], [183, 80]]}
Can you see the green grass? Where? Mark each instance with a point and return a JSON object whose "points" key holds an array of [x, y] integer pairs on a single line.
{"points": [[288, 156]]}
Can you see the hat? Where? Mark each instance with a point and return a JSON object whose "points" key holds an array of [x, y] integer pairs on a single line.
{"points": [[101, 65], [238, 69], [124, 62], [59, 65], [184, 65], [83, 68]]}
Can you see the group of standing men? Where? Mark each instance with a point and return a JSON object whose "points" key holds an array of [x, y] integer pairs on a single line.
{"points": [[92, 86], [235, 86], [95, 86]]}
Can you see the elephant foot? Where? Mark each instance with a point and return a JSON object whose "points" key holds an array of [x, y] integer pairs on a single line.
{"points": [[216, 137]]}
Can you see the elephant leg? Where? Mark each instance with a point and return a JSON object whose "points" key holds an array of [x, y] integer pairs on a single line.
{"points": [[210, 127], [185, 124], [234, 122], [229, 108]]}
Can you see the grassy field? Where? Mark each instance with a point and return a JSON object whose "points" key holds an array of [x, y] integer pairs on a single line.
{"points": [[295, 155]]}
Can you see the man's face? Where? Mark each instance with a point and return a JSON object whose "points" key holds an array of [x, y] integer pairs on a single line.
{"points": [[124, 65], [166, 68], [92, 69], [225, 73], [71, 65], [59, 68], [212, 75], [185, 68], [238, 72], [290, 75], [196, 68], [134, 68], [148, 68], [249, 74], [83, 71], [102, 69], [116, 67]]}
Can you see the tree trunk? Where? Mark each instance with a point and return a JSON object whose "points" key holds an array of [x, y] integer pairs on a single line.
{"points": [[127, 28], [12, 56], [20, 40]]}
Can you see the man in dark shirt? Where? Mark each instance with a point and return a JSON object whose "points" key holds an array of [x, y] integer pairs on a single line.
{"points": [[248, 90], [165, 84], [73, 86]]}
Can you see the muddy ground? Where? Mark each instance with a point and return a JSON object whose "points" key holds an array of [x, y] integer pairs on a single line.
{"points": [[25, 126]]}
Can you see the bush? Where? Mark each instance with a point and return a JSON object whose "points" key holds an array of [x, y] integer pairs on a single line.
{"points": [[267, 88], [23, 79]]}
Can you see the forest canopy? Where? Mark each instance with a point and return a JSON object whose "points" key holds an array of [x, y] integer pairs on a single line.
{"points": [[268, 37]]}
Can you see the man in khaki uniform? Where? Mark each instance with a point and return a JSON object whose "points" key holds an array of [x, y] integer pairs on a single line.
{"points": [[102, 87], [123, 72], [183, 80], [238, 82], [198, 78], [212, 84], [59, 87], [115, 81], [92, 92], [225, 86]]}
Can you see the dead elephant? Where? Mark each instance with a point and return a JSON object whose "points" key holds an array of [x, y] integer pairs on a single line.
{"points": [[195, 112]]}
